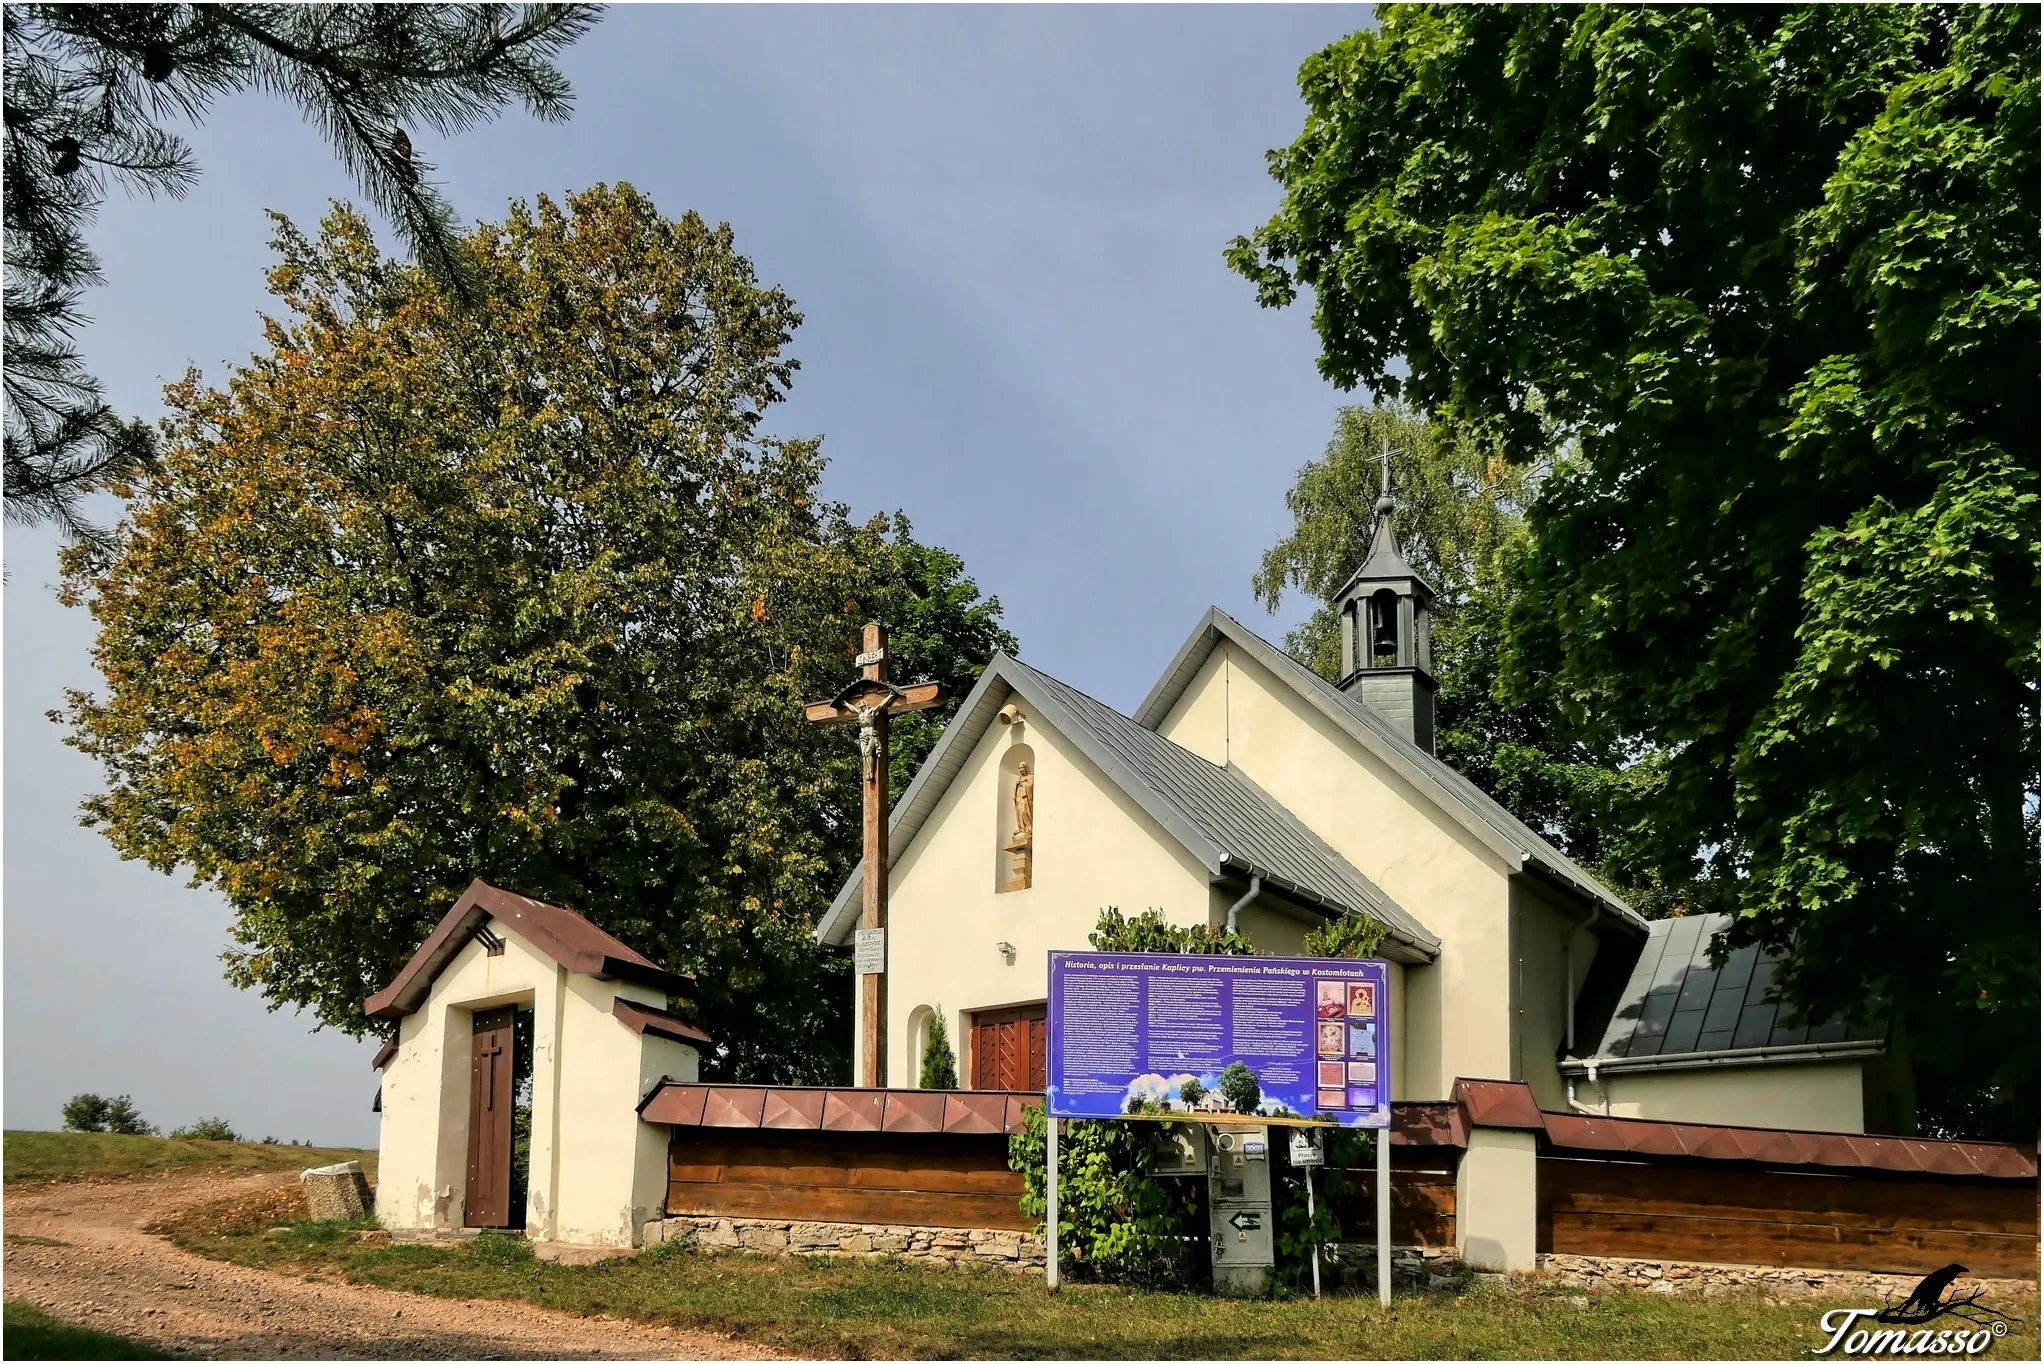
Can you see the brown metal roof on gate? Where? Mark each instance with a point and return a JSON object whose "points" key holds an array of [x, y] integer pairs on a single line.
{"points": [[644, 1018], [562, 934], [1476, 1103], [958, 1112], [1510, 1104]]}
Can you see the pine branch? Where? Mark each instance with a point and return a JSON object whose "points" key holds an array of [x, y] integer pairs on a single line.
{"points": [[86, 89]]}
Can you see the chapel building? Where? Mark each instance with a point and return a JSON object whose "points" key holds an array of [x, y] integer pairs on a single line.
{"points": [[1247, 790]]}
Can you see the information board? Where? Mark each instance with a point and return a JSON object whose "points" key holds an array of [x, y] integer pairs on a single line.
{"points": [[1155, 1035]]}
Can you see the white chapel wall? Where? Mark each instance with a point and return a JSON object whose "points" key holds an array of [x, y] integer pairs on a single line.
{"points": [[611, 1173], [1807, 1097], [1093, 847], [1542, 931], [1457, 1011]]}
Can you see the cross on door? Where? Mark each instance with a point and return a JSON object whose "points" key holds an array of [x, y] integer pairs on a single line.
{"points": [[489, 1057], [871, 699]]}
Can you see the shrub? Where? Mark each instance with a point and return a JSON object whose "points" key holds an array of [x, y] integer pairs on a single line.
{"points": [[940, 1067], [1350, 935], [1114, 1221], [207, 1129], [1296, 1236], [1147, 932], [91, 1113]]}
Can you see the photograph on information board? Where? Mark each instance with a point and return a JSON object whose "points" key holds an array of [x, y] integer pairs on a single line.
{"points": [[1164, 1035]]}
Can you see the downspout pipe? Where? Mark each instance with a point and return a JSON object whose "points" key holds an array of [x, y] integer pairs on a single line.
{"points": [[1255, 889], [1568, 1003]]}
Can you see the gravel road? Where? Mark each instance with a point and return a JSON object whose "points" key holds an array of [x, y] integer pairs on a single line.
{"points": [[104, 1271]]}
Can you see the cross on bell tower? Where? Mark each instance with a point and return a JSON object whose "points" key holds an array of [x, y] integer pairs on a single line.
{"points": [[1386, 634]]}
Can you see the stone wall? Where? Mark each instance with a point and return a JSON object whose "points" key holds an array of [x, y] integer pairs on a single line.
{"points": [[1016, 1251], [1353, 1265], [1699, 1277]]}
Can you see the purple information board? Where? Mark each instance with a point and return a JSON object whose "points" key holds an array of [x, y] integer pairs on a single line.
{"points": [[1154, 1034]]}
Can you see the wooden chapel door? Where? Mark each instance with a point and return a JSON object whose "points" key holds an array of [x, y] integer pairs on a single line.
{"points": [[489, 1119], [1009, 1048]]}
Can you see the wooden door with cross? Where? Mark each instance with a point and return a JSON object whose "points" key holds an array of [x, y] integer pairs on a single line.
{"points": [[493, 1053]]}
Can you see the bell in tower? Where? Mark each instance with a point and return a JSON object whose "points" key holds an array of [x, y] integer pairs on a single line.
{"points": [[1386, 645]]}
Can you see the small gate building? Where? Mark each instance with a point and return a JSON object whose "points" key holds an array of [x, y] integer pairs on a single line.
{"points": [[525, 1038]]}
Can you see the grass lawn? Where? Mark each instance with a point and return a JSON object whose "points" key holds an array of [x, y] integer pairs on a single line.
{"points": [[44, 1156], [32, 1333], [866, 1309]]}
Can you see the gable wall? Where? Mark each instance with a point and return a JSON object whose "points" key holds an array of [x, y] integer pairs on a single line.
{"points": [[1094, 847], [1457, 1012]]}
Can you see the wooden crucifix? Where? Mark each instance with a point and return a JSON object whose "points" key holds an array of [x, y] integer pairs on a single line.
{"points": [[871, 699]]}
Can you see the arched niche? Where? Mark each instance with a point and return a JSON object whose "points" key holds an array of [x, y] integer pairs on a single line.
{"points": [[1383, 650], [919, 1024], [1014, 819]]}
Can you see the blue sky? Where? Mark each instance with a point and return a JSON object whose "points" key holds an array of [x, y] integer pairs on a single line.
{"points": [[1004, 227]]}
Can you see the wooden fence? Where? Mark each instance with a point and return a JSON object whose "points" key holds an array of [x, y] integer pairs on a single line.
{"points": [[1627, 1188], [1422, 1199], [903, 1178], [1864, 1220]]}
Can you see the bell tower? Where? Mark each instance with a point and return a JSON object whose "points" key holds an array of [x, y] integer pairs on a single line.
{"points": [[1386, 640]]}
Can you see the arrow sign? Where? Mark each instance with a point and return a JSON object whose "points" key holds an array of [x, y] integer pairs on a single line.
{"points": [[1246, 1221]]}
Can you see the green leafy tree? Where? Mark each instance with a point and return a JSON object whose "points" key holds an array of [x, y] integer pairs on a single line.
{"points": [[940, 1066], [1458, 505], [1191, 1092], [1239, 1087], [89, 89], [85, 1113], [119, 1115], [1771, 275], [515, 589]]}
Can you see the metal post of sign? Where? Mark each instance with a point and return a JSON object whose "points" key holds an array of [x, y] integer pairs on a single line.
{"points": [[1050, 1199], [1309, 1222], [1384, 1215]]}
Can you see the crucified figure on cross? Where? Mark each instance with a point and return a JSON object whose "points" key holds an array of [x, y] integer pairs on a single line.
{"points": [[871, 700]]}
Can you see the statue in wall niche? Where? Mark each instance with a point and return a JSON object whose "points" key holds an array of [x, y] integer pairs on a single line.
{"points": [[1015, 849], [1025, 808]]}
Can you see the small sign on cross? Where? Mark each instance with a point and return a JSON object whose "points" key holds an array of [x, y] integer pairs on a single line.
{"points": [[869, 951]]}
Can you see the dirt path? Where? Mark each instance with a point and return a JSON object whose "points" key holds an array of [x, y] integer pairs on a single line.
{"points": [[110, 1274]]}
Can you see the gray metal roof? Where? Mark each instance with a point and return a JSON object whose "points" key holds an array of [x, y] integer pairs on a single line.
{"points": [[1498, 828], [1675, 1004], [1215, 813]]}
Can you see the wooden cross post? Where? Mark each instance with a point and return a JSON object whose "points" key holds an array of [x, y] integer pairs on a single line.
{"points": [[871, 700]]}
